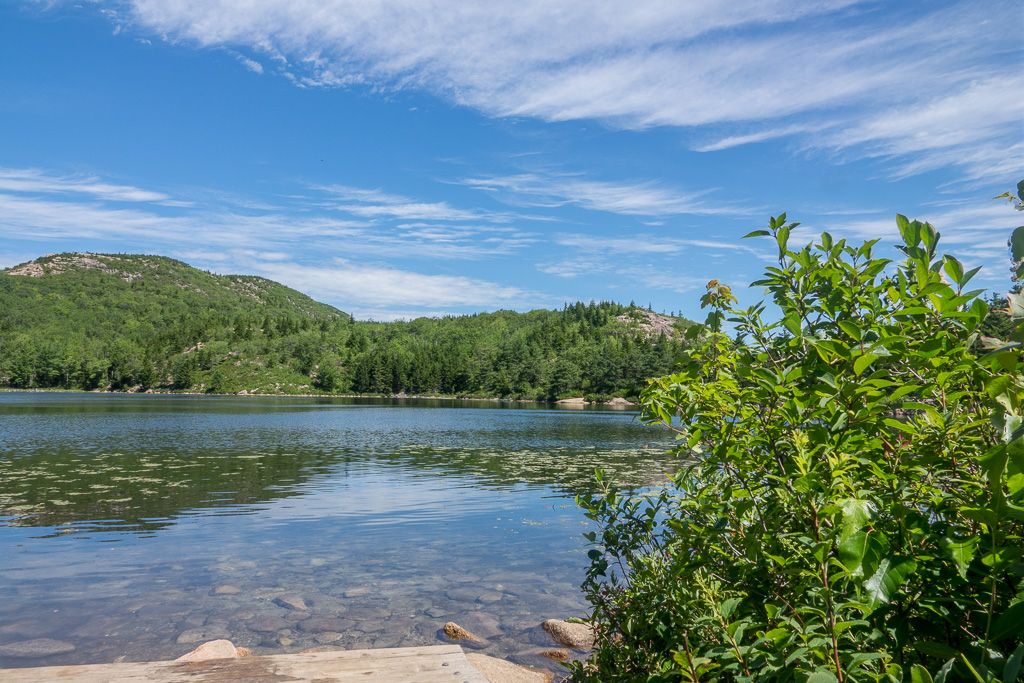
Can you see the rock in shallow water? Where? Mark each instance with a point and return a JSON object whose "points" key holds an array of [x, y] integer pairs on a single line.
{"points": [[195, 635], [456, 633], [215, 649], [37, 647], [293, 602], [576, 636], [325, 625]]}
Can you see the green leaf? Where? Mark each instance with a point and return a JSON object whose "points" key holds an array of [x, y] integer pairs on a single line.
{"points": [[968, 275], [782, 237], [822, 677], [954, 269], [944, 671], [911, 232], [851, 550], [857, 514], [919, 674], [1010, 623], [961, 552], [887, 580], [1016, 244], [937, 650], [981, 515], [851, 329], [862, 363], [756, 233], [1012, 667]]}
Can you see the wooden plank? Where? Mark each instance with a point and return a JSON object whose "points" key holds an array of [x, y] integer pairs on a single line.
{"points": [[435, 664]]}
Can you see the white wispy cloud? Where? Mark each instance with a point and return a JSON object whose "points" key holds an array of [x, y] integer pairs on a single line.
{"points": [[979, 128], [371, 285], [639, 198], [38, 181], [744, 70], [42, 207], [379, 204], [250, 64], [651, 244]]}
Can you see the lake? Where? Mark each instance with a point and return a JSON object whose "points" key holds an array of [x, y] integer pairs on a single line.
{"points": [[137, 527]]}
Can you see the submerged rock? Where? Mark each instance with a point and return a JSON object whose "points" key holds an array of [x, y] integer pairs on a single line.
{"points": [[37, 647], [269, 624], [482, 624], [326, 625], [195, 635], [292, 602], [557, 655]]}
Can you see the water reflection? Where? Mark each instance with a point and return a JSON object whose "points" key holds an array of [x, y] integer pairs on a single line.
{"points": [[147, 524], [93, 462]]}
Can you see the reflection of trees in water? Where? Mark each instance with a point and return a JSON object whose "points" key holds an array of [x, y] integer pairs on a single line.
{"points": [[77, 466], [569, 471], [146, 492]]}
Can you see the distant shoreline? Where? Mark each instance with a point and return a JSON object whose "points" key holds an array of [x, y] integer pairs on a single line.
{"points": [[570, 402]]}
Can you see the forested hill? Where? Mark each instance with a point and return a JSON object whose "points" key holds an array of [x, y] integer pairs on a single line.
{"points": [[136, 323]]}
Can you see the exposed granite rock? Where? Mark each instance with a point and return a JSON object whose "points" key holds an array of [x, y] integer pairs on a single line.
{"points": [[215, 649], [456, 633], [575, 636]]}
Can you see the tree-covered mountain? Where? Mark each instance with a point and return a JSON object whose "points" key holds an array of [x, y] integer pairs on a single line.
{"points": [[135, 323]]}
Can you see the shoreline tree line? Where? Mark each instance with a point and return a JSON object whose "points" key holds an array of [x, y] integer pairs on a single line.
{"points": [[137, 323]]}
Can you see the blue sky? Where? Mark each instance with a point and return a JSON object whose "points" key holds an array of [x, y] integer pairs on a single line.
{"points": [[400, 158]]}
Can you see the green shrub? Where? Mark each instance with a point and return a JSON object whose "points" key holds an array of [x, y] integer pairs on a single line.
{"points": [[850, 503]]}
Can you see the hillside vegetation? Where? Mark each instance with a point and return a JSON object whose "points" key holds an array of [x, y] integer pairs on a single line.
{"points": [[137, 323]]}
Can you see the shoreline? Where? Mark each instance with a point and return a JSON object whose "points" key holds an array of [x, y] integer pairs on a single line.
{"points": [[569, 402]]}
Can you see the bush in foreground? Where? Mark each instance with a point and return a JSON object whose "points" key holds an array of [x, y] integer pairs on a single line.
{"points": [[850, 508]]}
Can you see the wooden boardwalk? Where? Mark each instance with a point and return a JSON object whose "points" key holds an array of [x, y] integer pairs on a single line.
{"points": [[436, 664]]}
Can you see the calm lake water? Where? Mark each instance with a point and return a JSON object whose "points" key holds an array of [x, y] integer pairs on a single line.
{"points": [[136, 527]]}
